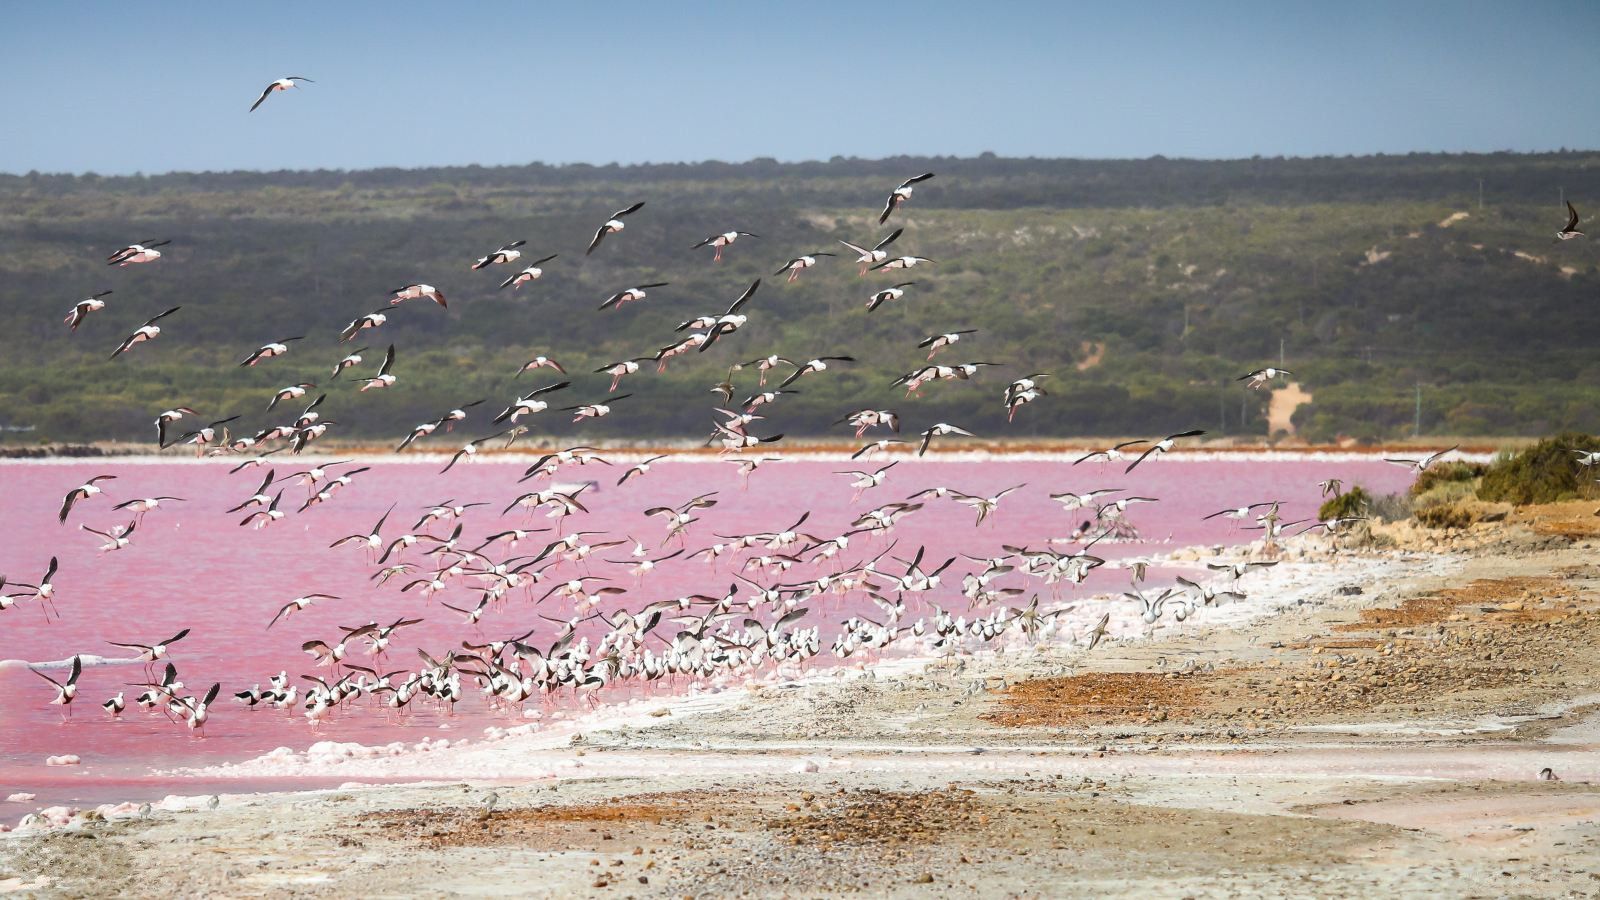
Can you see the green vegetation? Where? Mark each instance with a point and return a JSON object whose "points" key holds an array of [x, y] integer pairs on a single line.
{"points": [[1145, 287], [1354, 502], [1452, 473], [1547, 472]]}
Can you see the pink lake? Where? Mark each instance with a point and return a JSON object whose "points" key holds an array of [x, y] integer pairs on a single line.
{"points": [[189, 565]]}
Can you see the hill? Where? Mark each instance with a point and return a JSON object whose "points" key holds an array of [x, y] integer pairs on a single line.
{"points": [[1144, 286]]}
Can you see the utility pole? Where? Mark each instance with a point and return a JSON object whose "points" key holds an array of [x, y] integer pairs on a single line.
{"points": [[1222, 411], [1416, 427], [1280, 353], [1480, 194]]}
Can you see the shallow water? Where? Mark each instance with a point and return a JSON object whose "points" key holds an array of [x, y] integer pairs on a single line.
{"points": [[191, 566]]}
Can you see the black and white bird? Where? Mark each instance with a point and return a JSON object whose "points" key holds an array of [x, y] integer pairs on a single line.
{"points": [[167, 418], [622, 368], [813, 366], [508, 253], [540, 362], [612, 225], [872, 418], [730, 321], [264, 517], [149, 331], [66, 691], [142, 252], [118, 537], [594, 410], [268, 351], [889, 295], [940, 430], [940, 341], [800, 263], [718, 241], [151, 652], [82, 308], [532, 273], [1421, 465], [200, 437], [292, 392], [901, 262], [639, 469], [81, 492], [351, 359], [1261, 376], [630, 295], [900, 195], [384, 378], [528, 405], [418, 292], [1161, 447], [280, 84], [1571, 231], [469, 450], [866, 258], [1114, 454], [372, 319], [297, 604]]}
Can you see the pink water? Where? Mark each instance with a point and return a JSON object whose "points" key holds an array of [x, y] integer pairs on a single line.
{"points": [[190, 566]]}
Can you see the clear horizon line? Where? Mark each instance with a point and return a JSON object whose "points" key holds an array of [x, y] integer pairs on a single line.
{"points": [[618, 164]]}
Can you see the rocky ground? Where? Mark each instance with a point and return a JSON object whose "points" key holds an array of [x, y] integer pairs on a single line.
{"points": [[1384, 740]]}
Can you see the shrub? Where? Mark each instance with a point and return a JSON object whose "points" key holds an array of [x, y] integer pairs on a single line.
{"points": [[1445, 515], [1544, 473], [1390, 507], [1446, 473], [1354, 502]]}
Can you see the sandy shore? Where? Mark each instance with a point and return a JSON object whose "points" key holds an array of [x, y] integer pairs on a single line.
{"points": [[1378, 734]]}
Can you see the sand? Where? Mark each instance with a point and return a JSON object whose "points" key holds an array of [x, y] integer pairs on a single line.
{"points": [[1379, 735]]}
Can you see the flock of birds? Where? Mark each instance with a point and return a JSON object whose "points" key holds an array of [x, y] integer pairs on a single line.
{"points": [[605, 633]]}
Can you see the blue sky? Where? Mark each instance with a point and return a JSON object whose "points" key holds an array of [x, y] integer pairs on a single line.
{"points": [[115, 88]]}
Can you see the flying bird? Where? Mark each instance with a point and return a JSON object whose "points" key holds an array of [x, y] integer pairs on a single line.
{"points": [[630, 295], [142, 252], [268, 351], [900, 195], [531, 273], [81, 492], [383, 379], [800, 263], [149, 331], [82, 308], [889, 295], [418, 292], [1571, 231], [507, 253], [1161, 446], [612, 225], [718, 241], [280, 84], [1421, 465], [1261, 376], [866, 258]]}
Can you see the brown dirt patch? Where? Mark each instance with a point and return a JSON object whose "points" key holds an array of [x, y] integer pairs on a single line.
{"points": [[1100, 698], [1444, 605], [879, 817], [529, 826]]}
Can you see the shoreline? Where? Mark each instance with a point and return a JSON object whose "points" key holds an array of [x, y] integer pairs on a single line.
{"points": [[810, 446], [1380, 727]]}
